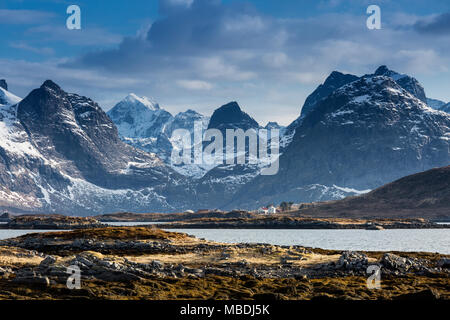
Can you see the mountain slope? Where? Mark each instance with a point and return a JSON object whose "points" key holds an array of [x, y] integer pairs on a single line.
{"points": [[435, 104], [334, 81], [230, 116], [63, 153], [425, 194], [408, 83], [143, 124], [445, 108], [365, 134]]}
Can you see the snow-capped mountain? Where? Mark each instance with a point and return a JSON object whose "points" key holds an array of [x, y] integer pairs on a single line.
{"points": [[435, 104], [221, 182], [363, 135], [60, 152], [6, 97], [230, 116], [334, 81], [408, 83], [3, 84], [445, 108], [143, 124]]}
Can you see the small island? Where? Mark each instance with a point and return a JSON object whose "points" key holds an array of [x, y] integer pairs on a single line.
{"points": [[50, 222]]}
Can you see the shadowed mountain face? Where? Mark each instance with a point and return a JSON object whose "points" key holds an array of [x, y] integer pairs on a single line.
{"points": [[445, 108], [63, 153], [3, 84], [408, 83], [143, 124], [59, 152], [230, 116], [333, 82], [425, 194], [363, 135], [75, 129]]}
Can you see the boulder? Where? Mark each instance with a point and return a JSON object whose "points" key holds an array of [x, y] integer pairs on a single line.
{"points": [[444, 263], [394, 262], [352, 260], [49, 260]]}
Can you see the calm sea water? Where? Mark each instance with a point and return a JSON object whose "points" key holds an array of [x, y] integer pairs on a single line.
{"points": [[129, 224], [429, 240], [12, 233]]}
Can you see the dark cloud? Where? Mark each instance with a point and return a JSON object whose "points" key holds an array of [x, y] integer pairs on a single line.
{"points": [[438, 25], [204, 53]]}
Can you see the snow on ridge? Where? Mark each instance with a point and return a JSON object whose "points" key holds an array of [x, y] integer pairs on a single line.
{"points": [[7, 98], [351, 190], [147, 102]]}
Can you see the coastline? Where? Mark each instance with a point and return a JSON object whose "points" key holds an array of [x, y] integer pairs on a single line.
{"points": [[168, 265]]}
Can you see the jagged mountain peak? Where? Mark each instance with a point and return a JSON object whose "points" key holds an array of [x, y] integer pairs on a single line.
{"points": [[50, 85], [445, 108], [3, 84], [366, 133], [139, 117], [231, 116], [407, 82], [144, 101], [272, 125], [379, 91], [383, 70], [7, 98], [334, 81], [435, 103], [188, 111]]}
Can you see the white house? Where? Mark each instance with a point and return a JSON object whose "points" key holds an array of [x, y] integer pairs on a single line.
{"points": [[271, 210], [263, 210]]}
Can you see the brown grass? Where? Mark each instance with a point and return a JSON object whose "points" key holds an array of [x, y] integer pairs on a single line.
{"points": [[112, 233], [247, 288]]}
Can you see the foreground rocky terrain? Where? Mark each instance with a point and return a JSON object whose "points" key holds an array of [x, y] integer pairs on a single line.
{"points": [[148, 263]]}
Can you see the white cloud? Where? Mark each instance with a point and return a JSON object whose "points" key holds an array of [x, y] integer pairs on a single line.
{"points": [[194, 84], [91, 36], [27, 47], [24, 16]]}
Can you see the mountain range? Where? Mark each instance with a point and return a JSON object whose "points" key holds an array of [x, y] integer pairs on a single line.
{"points": [[60, 152], [424, 194]]}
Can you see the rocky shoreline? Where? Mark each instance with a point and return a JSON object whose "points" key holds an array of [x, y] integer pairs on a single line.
{"points": [[50, 222], [159, 264], [302, 223]]}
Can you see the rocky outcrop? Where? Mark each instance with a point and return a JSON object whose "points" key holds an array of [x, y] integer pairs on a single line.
{"points": [[293, 222], [397, 264], [51, 222], [352, 260], [3, 84]]}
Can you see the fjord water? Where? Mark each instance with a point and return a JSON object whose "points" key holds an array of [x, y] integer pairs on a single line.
{"points": [[12, 233], [427, 240]]}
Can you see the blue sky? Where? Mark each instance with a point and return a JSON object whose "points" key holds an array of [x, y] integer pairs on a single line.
{"points": [[200, 54]]}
